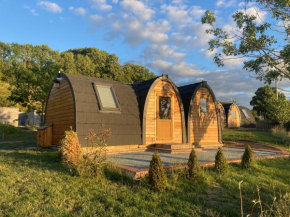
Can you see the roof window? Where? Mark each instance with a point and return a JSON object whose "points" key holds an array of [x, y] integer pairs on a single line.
{"points": [[107, 99]]}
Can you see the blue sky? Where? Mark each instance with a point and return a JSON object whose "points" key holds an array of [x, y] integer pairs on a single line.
{"points": [[165, 36]]}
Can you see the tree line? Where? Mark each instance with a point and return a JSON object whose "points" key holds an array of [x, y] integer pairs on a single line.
{"points": [[30, 70]]}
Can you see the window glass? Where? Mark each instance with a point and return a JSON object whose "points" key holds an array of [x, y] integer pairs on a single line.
{"points": [[202, 104], [164, 107], [107, 97], [234, 115], [246, 113]]}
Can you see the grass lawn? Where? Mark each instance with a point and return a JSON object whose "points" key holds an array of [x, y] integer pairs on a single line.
{"points": [[34, 183], [265, 137]]}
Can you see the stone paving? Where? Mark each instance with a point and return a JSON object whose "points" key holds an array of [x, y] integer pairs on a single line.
{"points": [[141, 160]]}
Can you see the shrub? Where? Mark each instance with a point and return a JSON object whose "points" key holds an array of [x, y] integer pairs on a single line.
{"points": [[248, 158], [157, 179], [95, 157], [6, 129], [281, 207], [193, 166], [279, 131], [70, 151], [286, 140], [221, 165]]}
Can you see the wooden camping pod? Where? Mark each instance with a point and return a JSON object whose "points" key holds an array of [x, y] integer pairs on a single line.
{"points": [[247, 117], [203, 121], [131, 111], [233, 115]]}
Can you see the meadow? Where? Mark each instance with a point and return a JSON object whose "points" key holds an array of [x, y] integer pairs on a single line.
{"points": [[35, 183]]}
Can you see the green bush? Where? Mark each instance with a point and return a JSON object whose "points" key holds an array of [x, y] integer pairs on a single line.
{"points": [[221, 165], [7, 129], [248, 160], [281, 207], [157, 179], [193, 167]]}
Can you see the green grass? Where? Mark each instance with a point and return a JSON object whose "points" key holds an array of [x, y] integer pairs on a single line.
{"points": [[20, 135], [265, 137], [35, 183]]}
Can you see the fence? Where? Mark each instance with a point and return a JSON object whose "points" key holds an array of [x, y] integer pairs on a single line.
{"points": [[264, 126]]}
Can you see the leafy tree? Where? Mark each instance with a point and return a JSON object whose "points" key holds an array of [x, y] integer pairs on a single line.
{"points": [[248, 158], [278, 110], [157, 178], [30, 70], [67, 63], [252, 40], [261, 99], [221, 165], [137, 73]]}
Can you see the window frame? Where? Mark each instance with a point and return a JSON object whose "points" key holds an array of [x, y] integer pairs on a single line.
{"points": [[246, 113], [200, 110], [235, 114], [99, 101]]}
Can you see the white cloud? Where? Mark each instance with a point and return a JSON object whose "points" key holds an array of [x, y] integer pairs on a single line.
{"points": [[115, 1], [138, 8], [197, 12], [225, 3], [177, 14], [78, 11], [32, 11], [50, 6], [100, 5], [96, 20]]}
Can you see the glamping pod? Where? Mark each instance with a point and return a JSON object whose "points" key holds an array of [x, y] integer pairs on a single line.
{"points": [[222, 115], [233, 115], [247, 117], [140, 113], [161, 111], [201, 114]]}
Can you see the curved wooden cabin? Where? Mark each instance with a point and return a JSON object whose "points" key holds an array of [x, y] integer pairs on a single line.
{"points": [[222, 115], [247, 117], [142, 113], [203, 122], [161, 106], [233, 115]]}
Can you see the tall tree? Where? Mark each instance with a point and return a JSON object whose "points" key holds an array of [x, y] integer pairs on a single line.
{"points": [[262, 98], [137, 73], [255, 40], [30, 70]]}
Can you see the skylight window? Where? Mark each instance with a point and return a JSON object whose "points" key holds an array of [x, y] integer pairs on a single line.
{"points": [[107, 98], [246, 113]]}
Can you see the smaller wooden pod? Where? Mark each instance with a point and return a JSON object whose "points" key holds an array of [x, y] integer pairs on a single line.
{"points": [[222, 114], [201, 112], [233, 115], [247, 117]]}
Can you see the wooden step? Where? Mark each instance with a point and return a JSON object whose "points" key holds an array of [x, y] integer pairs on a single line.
{"points": [[173, 148]]}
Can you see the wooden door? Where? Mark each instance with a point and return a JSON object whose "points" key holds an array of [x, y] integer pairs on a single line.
{"points": [[164, 123]]}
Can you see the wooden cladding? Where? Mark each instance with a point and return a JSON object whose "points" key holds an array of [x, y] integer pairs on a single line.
{"points": [[60, 111], [234, 117], [203, 127], [163, 130]]}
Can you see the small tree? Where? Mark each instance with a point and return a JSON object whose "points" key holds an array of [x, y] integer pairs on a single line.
{"points": [[7, 129], [248, 158], [157, 178], [193, 166], [221, 165]]}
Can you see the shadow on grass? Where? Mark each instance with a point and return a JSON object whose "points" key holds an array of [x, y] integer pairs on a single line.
{"points": [[36, 159]]}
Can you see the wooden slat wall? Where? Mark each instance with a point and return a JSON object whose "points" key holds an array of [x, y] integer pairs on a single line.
{"points": [[151, 115], [203, 127], [234, 123], [60, 111], [222, 115]]}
